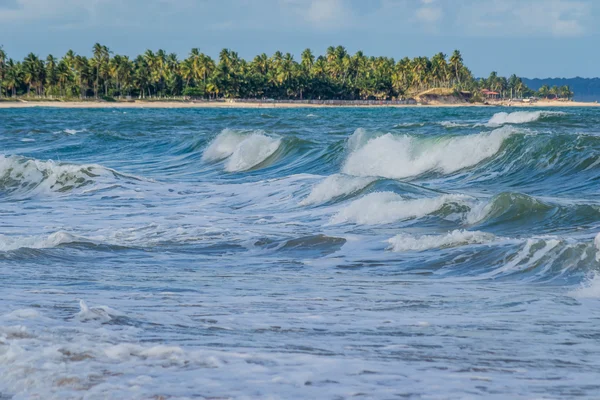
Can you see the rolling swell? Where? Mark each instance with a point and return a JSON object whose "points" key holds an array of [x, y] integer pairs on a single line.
{"points": [[535, 160], [409, 156], [25, 175], [242, 151], [523, 117], [512, 211]]}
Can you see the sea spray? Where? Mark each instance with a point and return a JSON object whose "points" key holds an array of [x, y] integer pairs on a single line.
{"points": [[10, 243], [520, 117], [398, 157], [24, 174], [387, 207], [405, 242], [335, 186], [242, 150]]}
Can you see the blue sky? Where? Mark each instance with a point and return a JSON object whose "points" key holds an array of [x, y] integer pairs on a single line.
{"points": [[532, 38]]}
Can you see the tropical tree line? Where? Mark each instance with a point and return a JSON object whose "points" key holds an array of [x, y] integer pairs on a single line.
{"points": [[560, 92], [335, 75], [514, 87]]}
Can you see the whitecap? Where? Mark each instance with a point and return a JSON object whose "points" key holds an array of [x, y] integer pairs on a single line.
{"points": [[398, 157], [20, 173], [406, 242], [10, 243], [520, 117], [243, 151], [101, 313], [387, 207], [452, 124], [335, 186], [74, 131], [589, 289]]}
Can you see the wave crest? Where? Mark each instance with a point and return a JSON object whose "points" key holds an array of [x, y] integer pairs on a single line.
{"points": [[405, 242], [520, 117], [24, 174], [398, 157], [11, 243], [243, 151], [335, 186], [387, 207]]}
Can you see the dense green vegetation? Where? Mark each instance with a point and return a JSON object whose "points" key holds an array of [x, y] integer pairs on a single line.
{"points": [[586, 89], [335, 75]]}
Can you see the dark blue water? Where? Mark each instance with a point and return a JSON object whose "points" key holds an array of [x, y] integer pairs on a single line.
{"points": [[427, 253]]}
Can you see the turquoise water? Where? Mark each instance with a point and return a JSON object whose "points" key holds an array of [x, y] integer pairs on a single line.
{"points": [[309, 253]]}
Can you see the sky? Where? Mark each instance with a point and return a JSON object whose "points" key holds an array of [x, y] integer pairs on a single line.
{"points": [[531, 38]]}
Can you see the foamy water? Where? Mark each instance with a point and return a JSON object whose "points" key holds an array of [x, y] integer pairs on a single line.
{"points": [[243, 151], [410, 156], [521, 117], [351, 253], [404, 242]]}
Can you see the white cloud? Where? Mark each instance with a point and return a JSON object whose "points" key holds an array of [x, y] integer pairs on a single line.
{"points": [[429, 14], [321, 11], [322, 14], [554, 18]]}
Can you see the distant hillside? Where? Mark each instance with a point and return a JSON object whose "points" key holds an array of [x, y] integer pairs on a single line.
{"points": [[586, 89]]}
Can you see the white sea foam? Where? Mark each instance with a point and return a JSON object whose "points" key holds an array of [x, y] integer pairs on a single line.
{"points": [[597, 245], [589, 289], [223, 145], [452, 124], [101, 313], [406, 242], [24, 173], [406, 156], [335, 186], [243, 151], [520, 117], [534, 251], [358, 139], [387, 207], [74, 131], [10, 243], [252, 151], [409, 124]]}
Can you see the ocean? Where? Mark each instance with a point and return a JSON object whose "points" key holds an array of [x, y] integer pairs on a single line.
{"points": [[333, 253]]}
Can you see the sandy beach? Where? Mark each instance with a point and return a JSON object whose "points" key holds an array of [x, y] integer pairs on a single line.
{"points": [[179, 104]]}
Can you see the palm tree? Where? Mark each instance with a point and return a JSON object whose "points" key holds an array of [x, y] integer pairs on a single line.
{"points": [[33, 69], [565, 92], [334, 75], [100, 63], [51, 73], [456, 63], [13, 76], [83, 72], [2, 68], [63, 76], [544, 91], [142, 78]]}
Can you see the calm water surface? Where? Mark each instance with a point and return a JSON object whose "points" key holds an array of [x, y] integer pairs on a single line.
{"points": [[295, 254]]}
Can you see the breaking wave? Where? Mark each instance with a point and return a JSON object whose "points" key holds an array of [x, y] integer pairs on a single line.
{"points": [[242, 151], [406, 242], [520, 117], [387, 207], [10, 243], [336, 186], [25, 174], [398, 157]]}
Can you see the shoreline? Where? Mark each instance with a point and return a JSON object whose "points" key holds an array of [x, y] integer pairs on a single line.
{"points": [[242, 105]]}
